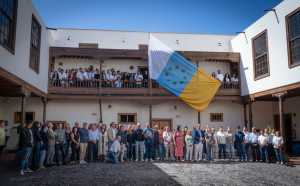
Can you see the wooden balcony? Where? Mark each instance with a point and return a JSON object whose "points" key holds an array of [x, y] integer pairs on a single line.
{"points": [[94, 90]]}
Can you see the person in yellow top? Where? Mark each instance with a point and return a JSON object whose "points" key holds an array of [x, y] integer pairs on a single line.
{"points": [[2, 136]]}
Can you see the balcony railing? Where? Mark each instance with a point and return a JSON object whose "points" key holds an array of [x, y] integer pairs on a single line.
{"points": [[117, 84], [96, 87]]}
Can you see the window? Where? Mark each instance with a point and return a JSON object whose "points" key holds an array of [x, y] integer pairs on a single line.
{"points": [[8, 19], [35, 44], [260, 55], [29, 116], [293, 37], [127, 118], [88, 45], [216, 117]]}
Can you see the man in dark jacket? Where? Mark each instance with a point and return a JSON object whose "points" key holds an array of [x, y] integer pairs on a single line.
{"points": [[26, 143], [37, 142], [239, 144]]}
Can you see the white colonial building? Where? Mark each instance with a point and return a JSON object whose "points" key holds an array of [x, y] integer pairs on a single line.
{"points": [[265, 56]]}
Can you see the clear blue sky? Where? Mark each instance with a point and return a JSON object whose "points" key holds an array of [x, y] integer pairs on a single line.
{"points": [[192, 16]]}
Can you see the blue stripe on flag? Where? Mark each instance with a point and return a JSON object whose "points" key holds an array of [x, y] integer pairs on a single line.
{"points": [[176, 74]]}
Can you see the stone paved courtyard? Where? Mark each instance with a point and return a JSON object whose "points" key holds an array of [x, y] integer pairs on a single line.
{"points": [[218, 173]]}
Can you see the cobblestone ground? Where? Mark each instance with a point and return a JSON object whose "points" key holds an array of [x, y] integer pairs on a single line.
{"points": [[218, 173]]}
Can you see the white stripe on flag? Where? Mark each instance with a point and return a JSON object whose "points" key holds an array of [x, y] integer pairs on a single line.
{"points": [[158, 56]]}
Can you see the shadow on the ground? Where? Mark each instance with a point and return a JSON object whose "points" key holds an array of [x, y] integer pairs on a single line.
{"points": [[89, 174]]}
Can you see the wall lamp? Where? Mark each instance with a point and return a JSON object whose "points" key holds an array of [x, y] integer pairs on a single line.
{"points": [[273, 10]]}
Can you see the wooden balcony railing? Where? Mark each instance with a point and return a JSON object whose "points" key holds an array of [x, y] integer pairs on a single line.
{"points": [[99, 87]]}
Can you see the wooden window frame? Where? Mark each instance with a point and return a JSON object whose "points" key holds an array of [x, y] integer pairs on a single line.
{"points": [[12, 34], [211, 117], [36, 51], [254, 58], [18, 116], [128, 123], [290, 64]]}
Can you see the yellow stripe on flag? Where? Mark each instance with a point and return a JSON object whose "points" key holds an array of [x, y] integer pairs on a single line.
{"points": [[200, 90]]}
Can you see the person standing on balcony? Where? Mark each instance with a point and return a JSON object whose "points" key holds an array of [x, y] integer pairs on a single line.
{"points": [[220, 76], [79, 77], [227, 81], [138, 80], [235, 81], [118, 83], [97, 77]]}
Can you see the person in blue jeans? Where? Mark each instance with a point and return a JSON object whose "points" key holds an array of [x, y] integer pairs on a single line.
{"points": [[26, 143], [278, 143], [239, 144], [148, 134], [114, 151]]}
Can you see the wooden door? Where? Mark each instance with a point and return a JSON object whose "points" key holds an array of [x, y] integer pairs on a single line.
{"points": [[162, 123]]}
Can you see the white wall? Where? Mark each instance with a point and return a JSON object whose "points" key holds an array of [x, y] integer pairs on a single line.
{"points": [[210, 67], [233, 114], [280, 74], [88, 111], [18, 64], [71, 111], [9, 105], [122, 106], [132, 40]]}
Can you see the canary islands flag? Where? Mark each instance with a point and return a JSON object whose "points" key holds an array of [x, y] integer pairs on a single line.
{"points": [[179, 76]]}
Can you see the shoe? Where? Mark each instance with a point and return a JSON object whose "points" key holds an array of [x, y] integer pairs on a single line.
{"points": [[136, 160], [28, 171], [22, 173], [281, 163]]}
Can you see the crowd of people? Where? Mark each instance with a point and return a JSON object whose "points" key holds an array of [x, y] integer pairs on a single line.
{"points": [[90, 77], [43, 145], [228, 81]]}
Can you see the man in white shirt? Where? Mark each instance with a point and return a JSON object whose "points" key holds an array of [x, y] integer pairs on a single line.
{"points": [[220, 76], [92, 145], [221, 140], [263, 146], [139, 79], [278, 142], [247, 143], [114, 150]]}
